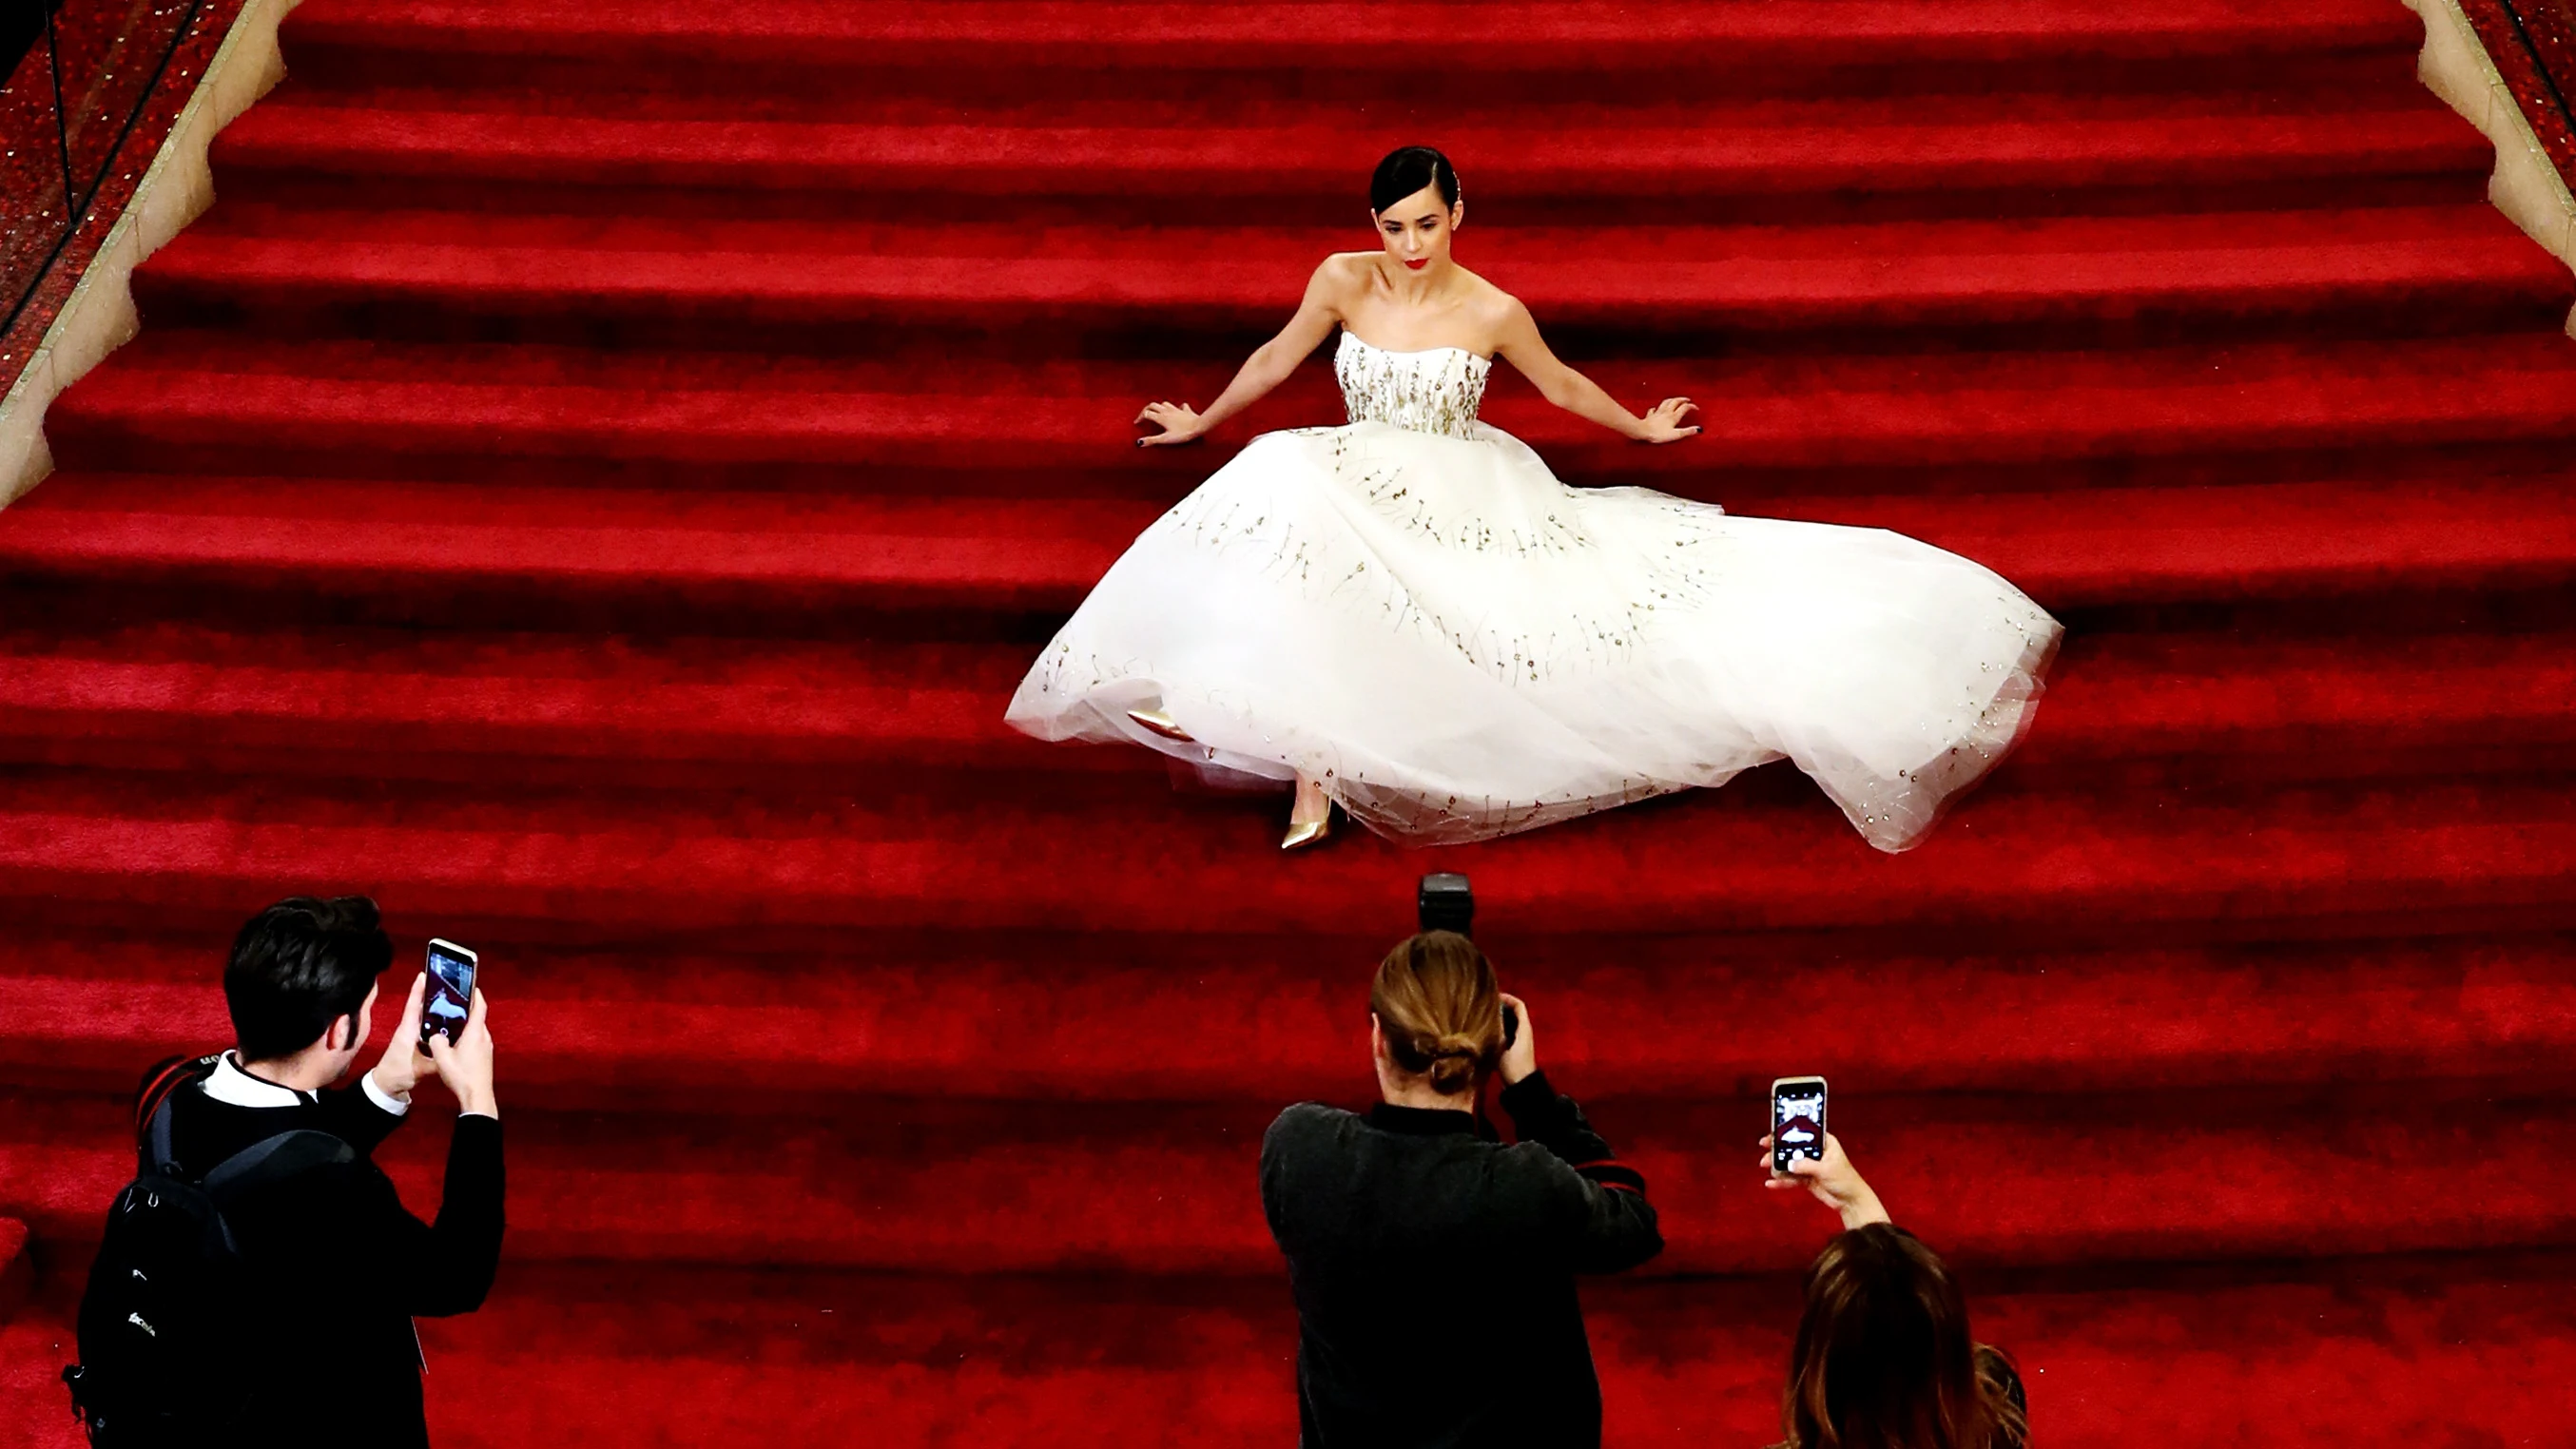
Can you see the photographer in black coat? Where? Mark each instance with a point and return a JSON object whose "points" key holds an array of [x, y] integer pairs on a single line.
{"points": [[335, 1266], [1433, 1266]]}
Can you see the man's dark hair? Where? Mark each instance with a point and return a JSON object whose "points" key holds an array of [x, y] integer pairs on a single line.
{"points": [[298, 966]]}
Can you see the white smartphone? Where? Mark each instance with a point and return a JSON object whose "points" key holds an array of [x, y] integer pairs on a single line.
{"points": [[451, 991], [1797, 1120]]}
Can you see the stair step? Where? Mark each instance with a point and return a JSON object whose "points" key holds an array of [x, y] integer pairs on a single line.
{"points": [[1994, 159], [950, 1014], [806, 551], [1838, 424], [1164, 37], [2286, 861], [2449, 1345], [2176, 1177], [391, 702], [809, 565], [809, 56], [478, 276]]}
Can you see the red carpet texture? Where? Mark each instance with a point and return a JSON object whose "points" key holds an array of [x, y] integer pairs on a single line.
{"points": [[596, 474]]}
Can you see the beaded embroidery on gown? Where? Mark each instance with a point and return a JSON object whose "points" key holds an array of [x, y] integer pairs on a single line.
{"points": [[1413, 610]]}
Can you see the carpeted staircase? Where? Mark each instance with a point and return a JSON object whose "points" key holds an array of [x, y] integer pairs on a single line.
{"points": [[595, 476]]}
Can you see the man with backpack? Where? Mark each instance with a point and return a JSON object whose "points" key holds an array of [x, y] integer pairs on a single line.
{"points": [[260, 1276]]}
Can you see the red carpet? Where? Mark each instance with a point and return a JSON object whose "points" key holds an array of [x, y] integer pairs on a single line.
{"points": [[594, 478]]}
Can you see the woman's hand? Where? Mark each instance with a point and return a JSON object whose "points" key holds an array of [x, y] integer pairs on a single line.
{"points": [[1178, 421], [1664, 424], [1833, 1180], [1521, 1057]]}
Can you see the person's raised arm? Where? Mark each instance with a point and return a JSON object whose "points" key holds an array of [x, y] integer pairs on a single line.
{"points": [[454, 1259], [1267, 367], [464, 1062], [352, 1210], [1520, 345], [366, 1115], [1833, 1180], [366, 1112], [1613, 1225]]}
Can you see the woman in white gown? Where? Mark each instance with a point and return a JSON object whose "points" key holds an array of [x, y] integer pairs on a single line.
{"points": [[1409, 616]]}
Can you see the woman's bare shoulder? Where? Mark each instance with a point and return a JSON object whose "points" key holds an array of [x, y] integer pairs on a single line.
{"points": [[1494, 310], [1349, 272]]}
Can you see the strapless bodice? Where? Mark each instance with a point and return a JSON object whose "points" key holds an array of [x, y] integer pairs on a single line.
{"points": [[1436, 390]]}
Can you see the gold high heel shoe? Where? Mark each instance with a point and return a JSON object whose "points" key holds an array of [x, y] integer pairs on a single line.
{"points": [[1303, 833], [1162, 724]]}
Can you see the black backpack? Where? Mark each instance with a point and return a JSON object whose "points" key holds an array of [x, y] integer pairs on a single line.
{"points": [[163, 1353]]}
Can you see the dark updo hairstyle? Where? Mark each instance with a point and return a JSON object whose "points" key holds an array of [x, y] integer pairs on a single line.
{"points": [[1440, 1008], [1407, 170], [299, 966], [1884, 1360]]}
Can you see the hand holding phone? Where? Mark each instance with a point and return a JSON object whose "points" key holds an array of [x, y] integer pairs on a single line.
{"points": [[1520, 1048], [1799, 1153], [1832, 1180], [465, 1062], [405, 1061]]}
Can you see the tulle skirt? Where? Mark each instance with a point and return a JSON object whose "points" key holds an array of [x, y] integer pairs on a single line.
{"points": [[1459, 646]]}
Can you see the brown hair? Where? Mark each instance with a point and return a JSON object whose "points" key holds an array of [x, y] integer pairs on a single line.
{"points": [[1883, 1358], [1440, 1009]]}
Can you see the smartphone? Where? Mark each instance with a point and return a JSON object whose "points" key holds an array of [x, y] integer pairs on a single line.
{"points": [[1511, 1027], [1797, 1120], [451, 991]]}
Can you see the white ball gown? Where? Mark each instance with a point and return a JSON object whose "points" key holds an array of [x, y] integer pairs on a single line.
{"points": [[1414, 611]]}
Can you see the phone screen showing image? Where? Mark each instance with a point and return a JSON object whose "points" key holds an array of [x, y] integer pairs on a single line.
{"points": [[451, 990], [1797, 1120]]}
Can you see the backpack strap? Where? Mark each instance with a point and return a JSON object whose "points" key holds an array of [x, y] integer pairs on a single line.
{"points": [[274, 1159], [152, 1109], [166, 1078]]}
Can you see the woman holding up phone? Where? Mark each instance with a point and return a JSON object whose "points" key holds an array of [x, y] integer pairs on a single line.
{"points": [[1883, 1357], [1433, 1266]]}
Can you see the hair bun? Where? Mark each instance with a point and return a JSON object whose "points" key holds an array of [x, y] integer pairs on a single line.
{"points": [[1434, 998], [1453, 1062]]}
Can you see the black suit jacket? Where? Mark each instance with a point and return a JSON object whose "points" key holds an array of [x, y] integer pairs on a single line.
{"points": [[1434, 1270], [339, 1267]]}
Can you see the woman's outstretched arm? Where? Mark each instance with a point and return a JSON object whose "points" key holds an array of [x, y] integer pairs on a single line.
{"points": [[1267, 367], [1834, 1181], [1520, 345]]}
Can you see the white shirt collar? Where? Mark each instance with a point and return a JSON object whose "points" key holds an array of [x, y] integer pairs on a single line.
{"points": [[229, 1084]]}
